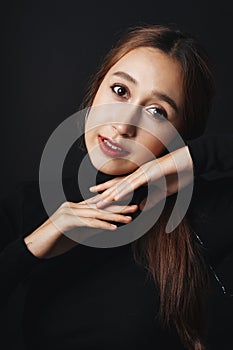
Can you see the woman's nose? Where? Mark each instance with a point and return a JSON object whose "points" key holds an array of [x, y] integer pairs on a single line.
{"points": [[126, 130], [127, 120]]}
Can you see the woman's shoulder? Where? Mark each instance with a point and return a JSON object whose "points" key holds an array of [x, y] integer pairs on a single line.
{"points": [[212, 155], [213, 197]]}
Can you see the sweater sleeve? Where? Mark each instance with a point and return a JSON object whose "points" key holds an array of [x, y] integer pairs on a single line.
{"points": [[212, 155], [212, 201], [16, 261]]}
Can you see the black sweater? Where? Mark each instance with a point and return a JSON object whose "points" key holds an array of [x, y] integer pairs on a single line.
{"points": [[99, 298]]}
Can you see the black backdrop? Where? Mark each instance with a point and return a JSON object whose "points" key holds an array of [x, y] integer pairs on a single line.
{"points": [[51, 49]]}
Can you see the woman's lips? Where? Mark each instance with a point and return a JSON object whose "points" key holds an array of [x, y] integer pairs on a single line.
{"points": [[111, 148]]}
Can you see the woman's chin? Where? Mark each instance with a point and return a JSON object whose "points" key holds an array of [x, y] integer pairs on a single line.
{"points": [[116, 167]]}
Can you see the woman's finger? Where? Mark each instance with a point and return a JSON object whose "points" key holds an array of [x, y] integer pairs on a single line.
{"points": [[105, 185], [92, 223], [111, 208], [99, 214], [121, 189], [122, 209], [91, 200]]}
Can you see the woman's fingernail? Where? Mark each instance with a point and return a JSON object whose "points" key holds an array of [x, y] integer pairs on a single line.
{"points": [[113, 227], [92, 189]]}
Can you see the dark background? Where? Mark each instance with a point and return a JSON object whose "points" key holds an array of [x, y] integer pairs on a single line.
{"points": [[51, 49]]}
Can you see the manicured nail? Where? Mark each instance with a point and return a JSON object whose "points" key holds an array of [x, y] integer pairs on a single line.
{"points": [[92, 188]]}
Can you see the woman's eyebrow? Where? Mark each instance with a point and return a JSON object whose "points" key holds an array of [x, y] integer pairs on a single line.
{"points": [[161, 96], [166, 98], [126, 76]]}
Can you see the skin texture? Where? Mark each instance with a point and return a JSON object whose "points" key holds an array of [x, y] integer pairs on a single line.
{"points": [[178, 161], [153, 76], [151, 72]]}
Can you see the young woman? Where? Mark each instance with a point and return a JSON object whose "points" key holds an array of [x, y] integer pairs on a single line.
{"points": [[148, 293]]}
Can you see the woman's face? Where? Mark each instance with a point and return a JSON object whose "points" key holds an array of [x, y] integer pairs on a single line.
{"points": [[144, 79]]}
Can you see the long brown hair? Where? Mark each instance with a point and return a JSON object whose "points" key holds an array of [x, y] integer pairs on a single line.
{"points": [[174, 260]]}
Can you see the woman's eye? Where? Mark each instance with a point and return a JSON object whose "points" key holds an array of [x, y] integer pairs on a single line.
{"points": [[119, 90], [158, 113]]}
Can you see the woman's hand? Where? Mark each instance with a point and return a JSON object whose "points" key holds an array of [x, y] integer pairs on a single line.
{"points": [[152, 172], [49, 240]]}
